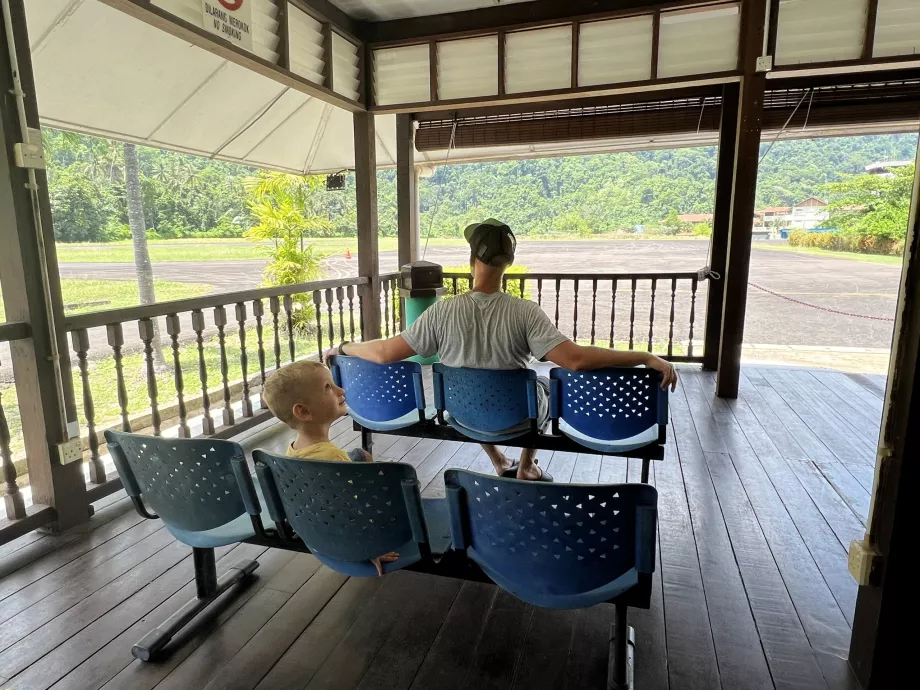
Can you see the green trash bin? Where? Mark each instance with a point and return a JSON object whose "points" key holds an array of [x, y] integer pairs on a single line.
{"points": [[421, 284]]}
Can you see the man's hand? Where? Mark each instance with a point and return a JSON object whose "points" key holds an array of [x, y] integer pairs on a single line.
{"points": [[330, 353], [668, 372], [378, 562]]}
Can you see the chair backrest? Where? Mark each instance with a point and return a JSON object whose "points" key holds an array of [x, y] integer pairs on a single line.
{"points": [[553, 539], [485, 399], [189, 483], [379, 392], [343, 510], [609, 404]]}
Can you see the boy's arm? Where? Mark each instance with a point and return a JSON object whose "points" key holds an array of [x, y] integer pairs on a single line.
{"points": [[384, 351]]}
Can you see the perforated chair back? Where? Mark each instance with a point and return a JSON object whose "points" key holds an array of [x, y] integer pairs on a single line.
{"points": [[554, 545], [610, 404], [380, 394], [346, 512], [189, 483], [486, 400]]}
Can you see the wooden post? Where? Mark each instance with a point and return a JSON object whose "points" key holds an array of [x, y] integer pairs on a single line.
{"points": [[744, 190], [880, 651], [728, 129], [366, 192], [41, 400], [407, 210]]}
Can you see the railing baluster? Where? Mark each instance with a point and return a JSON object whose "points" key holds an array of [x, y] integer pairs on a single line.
{"points": [[521, 286], [693, 285], [504, 283], [318, 309], [593, 308], [454, 283], [613, 311], [558, 287], [147, 334], [540, 291], [361, 312], [651, 315], [351, 311], [207, 422], [173, 328], [244, 358], [289, 316], [220, 320], [116, 338], [329, 312], [386, 307], [340, 298], [632, 314], [671, 325], [15, 504], [274, 306], [258, 311], [80, 341], [575, 314], [397, 308]]}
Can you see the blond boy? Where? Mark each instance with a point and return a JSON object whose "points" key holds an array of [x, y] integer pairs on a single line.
{"points": [[304, 396]]}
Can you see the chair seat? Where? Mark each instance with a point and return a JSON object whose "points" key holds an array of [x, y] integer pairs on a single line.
{"points": [[647, 437], [407, 419], [438, 520], [232, 532], [490, 437]]}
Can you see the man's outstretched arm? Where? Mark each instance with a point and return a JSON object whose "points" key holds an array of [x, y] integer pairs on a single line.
{"points": [[385, 351], [585, 358]]}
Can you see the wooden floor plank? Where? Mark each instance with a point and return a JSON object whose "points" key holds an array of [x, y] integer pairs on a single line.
{"points": [[562, 466], [588, 657], [299, 663], [545, 652], [853, 493], [105, 661], [849, 414], [875, 385], [587, 469], [499, 648], [851, 393], [401, 656], [613, 470], [402, 446], [144, 676], [791, 659], [451, 653], [461, 459]]}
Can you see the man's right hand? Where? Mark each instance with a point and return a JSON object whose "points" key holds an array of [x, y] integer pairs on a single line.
{"points": [[330, 353], [668, 372]]}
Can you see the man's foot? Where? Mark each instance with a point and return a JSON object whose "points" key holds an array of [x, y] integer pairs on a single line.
{"points": [[534, 473], [503, 464]]}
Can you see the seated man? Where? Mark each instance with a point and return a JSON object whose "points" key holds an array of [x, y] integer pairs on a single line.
{"points": [[304, 396], [489, 329]]}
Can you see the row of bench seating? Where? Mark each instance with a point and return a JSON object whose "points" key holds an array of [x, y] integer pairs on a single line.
{"points": [[552, 545]]}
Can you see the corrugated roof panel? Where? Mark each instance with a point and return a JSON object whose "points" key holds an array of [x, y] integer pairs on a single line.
{"points": [[897, 28], [402, 75], [699, 41], [468, 68], [538, 59], [615, 51], [820, 30]]}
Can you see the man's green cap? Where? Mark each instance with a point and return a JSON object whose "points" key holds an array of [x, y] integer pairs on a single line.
{"points": [[492, 242]]}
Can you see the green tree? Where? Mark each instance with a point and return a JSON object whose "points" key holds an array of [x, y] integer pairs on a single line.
{"points": [[872, 205]]}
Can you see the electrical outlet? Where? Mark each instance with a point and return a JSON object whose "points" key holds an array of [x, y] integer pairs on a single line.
{"points": [[765, 63], [862, 561], [31, 154], [70, 451]]}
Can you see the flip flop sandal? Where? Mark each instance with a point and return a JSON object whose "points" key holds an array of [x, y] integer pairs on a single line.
{"points": [[511, 473]]}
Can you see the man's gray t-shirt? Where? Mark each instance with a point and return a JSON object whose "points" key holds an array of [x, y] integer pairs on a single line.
{"points": [[484, 331]]}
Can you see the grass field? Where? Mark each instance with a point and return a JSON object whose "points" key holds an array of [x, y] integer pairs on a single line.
{"points": [[852, 256], [229, 249], [82, 296]]}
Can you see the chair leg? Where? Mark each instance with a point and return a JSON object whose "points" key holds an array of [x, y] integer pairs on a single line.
{"points": [[209, 588], [367, 440], [620, 675], [645, 464]]}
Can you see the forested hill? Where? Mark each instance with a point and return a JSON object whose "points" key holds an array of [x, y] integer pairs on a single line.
{"points": [[618, 191]]}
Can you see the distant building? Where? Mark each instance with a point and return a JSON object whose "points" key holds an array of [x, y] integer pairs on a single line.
{"points": [[885, 167], [695, 218], [805, 215]]}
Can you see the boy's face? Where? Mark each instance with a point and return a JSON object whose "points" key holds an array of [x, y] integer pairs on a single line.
{"points": [[323, 401]]}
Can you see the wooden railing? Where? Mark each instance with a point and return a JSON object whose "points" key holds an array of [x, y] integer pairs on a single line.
{"points": [[13, 498], [656, 312]]}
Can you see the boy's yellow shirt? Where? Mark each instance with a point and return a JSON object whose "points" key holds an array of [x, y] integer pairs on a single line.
{"points": [[319, 451]]}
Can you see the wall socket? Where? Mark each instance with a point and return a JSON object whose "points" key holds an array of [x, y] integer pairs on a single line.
{"points": [[70, 451]]}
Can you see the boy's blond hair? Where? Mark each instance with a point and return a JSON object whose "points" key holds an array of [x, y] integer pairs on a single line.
{"points": [[289, 386]]}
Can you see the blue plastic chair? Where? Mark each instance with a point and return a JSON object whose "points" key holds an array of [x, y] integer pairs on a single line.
{"points": [[610, 410], [348, 513], [203, 492], [489, 406], [559, 546], [382, 397]]}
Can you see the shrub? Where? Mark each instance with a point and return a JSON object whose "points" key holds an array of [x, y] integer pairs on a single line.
{"points": [[846, 242], [702, 229]]}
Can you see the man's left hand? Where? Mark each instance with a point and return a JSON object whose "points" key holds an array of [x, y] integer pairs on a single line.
{"points": [[668, 372]]}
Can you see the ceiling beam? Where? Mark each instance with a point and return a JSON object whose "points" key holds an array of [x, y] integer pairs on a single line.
{"points": [[492, 18]]}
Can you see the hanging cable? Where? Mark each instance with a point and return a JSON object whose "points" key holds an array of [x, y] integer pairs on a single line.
{"points": [[437, 201], [804, 96]]}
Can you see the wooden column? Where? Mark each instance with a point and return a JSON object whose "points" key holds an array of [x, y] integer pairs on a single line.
{"points": [[40, 398], [728, 129], [882, 646], [406, 190], [366, 192], [744, 190]]}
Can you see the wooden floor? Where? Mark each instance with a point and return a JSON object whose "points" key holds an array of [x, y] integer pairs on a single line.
{"points": [[759, 499]]}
